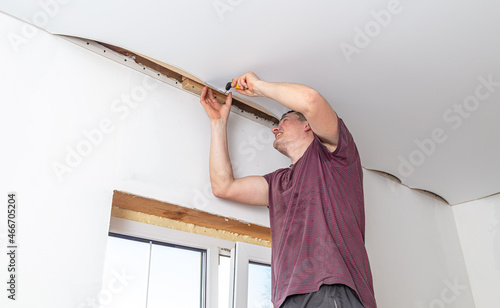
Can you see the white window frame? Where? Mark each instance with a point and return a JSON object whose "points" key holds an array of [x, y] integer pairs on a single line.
{"points": [[212, 246], [244, 254]]}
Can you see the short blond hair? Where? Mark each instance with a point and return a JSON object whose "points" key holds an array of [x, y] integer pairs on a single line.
{"points": [[302, 118]]}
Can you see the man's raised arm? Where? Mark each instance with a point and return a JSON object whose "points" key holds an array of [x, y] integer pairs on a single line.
{"points": [[318, 112], [252, 190]]}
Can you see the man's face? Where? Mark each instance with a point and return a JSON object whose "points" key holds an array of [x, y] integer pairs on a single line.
{"points": [[290, 128]]}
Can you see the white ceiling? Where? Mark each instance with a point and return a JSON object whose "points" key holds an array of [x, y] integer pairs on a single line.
{"points": [[405, 84]]}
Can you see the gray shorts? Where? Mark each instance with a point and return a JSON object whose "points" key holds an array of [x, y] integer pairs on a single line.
{"points": [[333, 295]]}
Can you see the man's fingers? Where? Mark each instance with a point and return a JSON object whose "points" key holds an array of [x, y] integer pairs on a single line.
{"points": [[238, 81], [211, 94], [207, 95], [246, 92], [243, 82], [203, 95], [203, 98], [229, 99], [208, 100]]}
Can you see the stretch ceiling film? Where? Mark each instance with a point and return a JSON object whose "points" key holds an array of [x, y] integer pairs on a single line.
{"points": [[417, 82]]}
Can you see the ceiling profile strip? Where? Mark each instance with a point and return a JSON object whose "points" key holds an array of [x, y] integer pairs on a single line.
{"points": [[175, 77], [196, 87]]}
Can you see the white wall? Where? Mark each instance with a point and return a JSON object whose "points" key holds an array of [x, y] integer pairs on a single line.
{"points": [[478, 224], [46, 104], [413, 247], [105, 127], [51, 93], [165, 148], [153, 140]]}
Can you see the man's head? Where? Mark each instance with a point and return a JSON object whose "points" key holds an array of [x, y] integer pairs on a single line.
{"points": [[292, 133], [302, 118]]}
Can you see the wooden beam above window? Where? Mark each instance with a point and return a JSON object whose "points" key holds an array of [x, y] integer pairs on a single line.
{"points": [[124, 201]]}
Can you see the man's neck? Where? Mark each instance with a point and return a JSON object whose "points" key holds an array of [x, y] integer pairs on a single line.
{"points": [[297, 150]]}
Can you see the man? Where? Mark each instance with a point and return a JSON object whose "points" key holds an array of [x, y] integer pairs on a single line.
{"points": [[316, 205]]}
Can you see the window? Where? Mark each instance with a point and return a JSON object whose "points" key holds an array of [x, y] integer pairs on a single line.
{"points": [[224, 288], [152, 274], [259, 285], [252, 287], [176, 277], [125, 273], [152, 267]]}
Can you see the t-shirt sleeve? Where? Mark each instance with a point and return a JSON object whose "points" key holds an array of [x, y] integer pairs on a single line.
{"points": [[346, 152], [268, 177]]}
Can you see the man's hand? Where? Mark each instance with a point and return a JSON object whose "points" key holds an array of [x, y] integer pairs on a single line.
{"points": [[246, 83], [318, 112], [213, 108]]}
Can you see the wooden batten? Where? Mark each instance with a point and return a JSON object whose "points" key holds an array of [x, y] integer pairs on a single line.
{"points": [[124, 201], [191, 83], [196, 88]]}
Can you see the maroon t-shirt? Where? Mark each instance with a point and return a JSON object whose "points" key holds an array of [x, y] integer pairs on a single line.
{"points": [[316, 209]]}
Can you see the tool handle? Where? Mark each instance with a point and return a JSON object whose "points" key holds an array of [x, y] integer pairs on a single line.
{"points": [[229, 85]]}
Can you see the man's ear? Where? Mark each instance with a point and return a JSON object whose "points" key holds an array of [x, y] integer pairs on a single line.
{"points": [[307, 127]]}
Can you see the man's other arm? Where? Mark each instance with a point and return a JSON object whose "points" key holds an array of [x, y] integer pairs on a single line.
{"points": [[252, 190], [318, 112]]}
